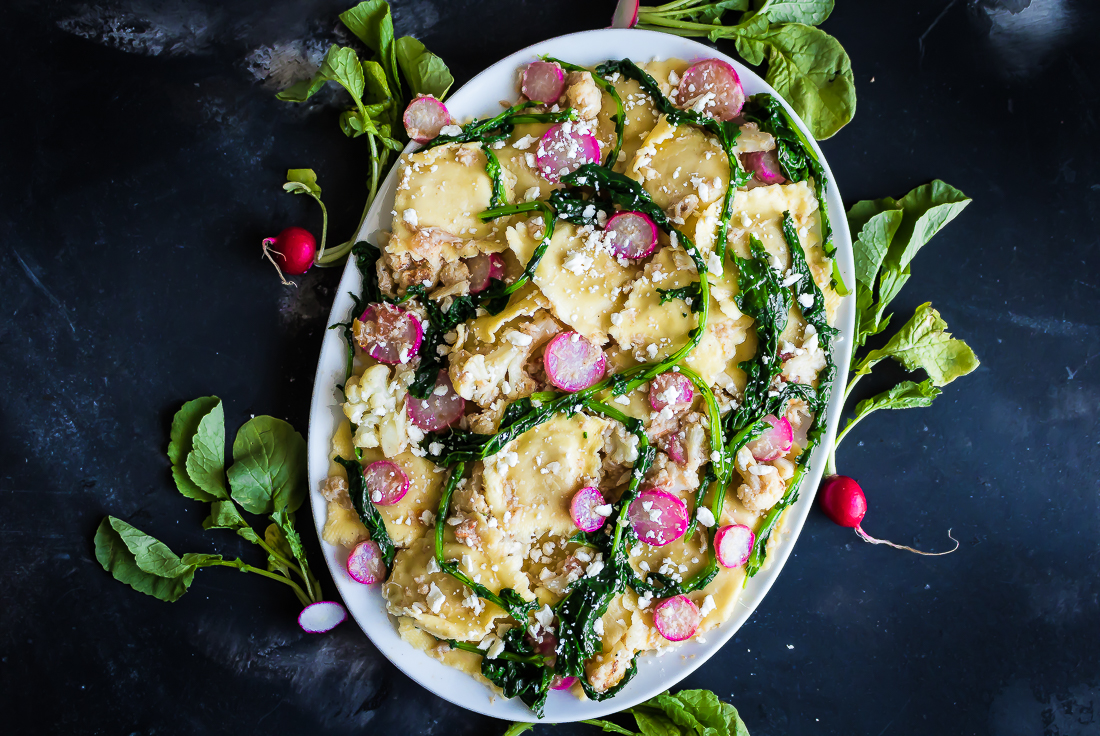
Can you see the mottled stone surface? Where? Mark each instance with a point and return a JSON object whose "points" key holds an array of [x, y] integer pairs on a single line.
{"points": [[143, 153]]}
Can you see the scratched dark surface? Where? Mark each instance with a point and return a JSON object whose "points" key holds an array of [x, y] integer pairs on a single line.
{"points": [[142, 158]]}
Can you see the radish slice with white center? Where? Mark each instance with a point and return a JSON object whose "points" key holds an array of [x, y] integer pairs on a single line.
{"points": [[589, 509], [392, 334], [775, 442], [441, 409], [672, 390], [573, 363], [425, 117], [634, 235], [733, 545], [626, 14], [677, 618], [764, 165], [543, 81], [365, 563], [317, 618], [562, 683], [484, 268], [712, 88], [672, 446], [563, 149], [658, 517], [386, 482]]}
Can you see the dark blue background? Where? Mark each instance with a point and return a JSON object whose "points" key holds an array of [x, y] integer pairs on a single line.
{"points": [[142, 161]]}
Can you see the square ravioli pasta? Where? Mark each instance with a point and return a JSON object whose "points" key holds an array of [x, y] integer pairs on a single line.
{"points": [[581, 415]]}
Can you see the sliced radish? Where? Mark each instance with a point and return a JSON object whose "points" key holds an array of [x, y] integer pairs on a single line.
{"points": [[442, 408], [562, 683], [589, 509], [386, 482], [424, 117], [775, 442], [563, 149], [677, 618], [543, 81], [626, 14], [573, 363], [317, 618], [484, 268], [733, 545], [365, 563], [633, 235], [392, 334], [672, 390], [764, 165], [658, 517], [712, 87], [673, 446]]}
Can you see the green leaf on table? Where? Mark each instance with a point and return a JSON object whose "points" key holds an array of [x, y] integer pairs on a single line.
{"points": [[284, 520], [923, 342], [140, 561], [810, 12], [425, 72], [376, 87], [302, 181], [688, 712], [184, 426], [224, 515], [873, 242], [275, 539], [269, 466], [517, 728], [371, 22], [340, 65], [927, 209], [746, 39], [906, 395], [712, 12], [608, 726], [206, 461]]}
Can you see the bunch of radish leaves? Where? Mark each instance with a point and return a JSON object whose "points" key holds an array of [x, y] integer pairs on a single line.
{"points": [[687, 713], [888, 233], [377, 93], [806, 66], [267, 478]]}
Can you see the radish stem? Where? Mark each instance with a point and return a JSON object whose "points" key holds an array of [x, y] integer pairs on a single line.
{"points": [[245, 567]]}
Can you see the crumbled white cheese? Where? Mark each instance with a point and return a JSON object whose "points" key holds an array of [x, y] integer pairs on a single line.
{"points": [[705, 516], [435, 598]]}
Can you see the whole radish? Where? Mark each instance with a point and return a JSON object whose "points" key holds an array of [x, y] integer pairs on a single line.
{"points": [[291, 251], [843, 502]]}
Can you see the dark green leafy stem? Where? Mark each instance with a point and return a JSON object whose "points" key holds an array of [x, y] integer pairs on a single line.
{"points": [[692, 295], [619, 118], [501, 125], [439, 324], [492, 168], [495, 298], [518, 670], [368, 514], [594, 694]]}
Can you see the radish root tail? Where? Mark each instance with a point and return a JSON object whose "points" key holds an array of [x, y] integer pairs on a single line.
{"points": [[872, 540], [268, 242]]}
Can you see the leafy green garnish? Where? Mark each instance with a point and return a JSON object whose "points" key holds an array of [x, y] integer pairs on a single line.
{"points": [[185, 425], [269, 466], [304, 181], [368, 514], [924, 343], [425, 72]]}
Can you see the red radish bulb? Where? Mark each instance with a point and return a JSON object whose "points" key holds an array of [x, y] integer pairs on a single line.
{"points": [[317, 618], [626, 14], [712, 87], [677, 618], [386, 482], [775, 442], [365, 563], [764, 165], [425, 117], [658, 517], [543, 81], [589, 509], [733, 545], [441, 409], [393, 334], [671, 390], [563, 149], [632, 234], [291, 251], [573, 363], [483, 268], [562, 683], [843, 502]]}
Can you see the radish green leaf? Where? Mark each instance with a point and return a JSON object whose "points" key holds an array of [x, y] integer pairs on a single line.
{"points": [[184, 426], [140, 561], [206, 461], [269, 466], [425, 72], [924, 343]]}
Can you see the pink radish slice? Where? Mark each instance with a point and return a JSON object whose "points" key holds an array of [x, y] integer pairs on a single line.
{"points": [[672, 390], [424, 117], [483, 268], [543, 81], [733, 545], [317, 618], [677, 618], [365, 563], [775, 442], [658, 517], [386, 482], [442, 408], [393, 334], [562, 683], [573, 363], [563, 149], [634, 235], [673, 447], [585, 509], [626, 14], [764, 165], [713, 87]]}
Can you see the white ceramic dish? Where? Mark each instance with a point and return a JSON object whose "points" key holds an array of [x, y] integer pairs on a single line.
{"points": [[480, 98]]}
